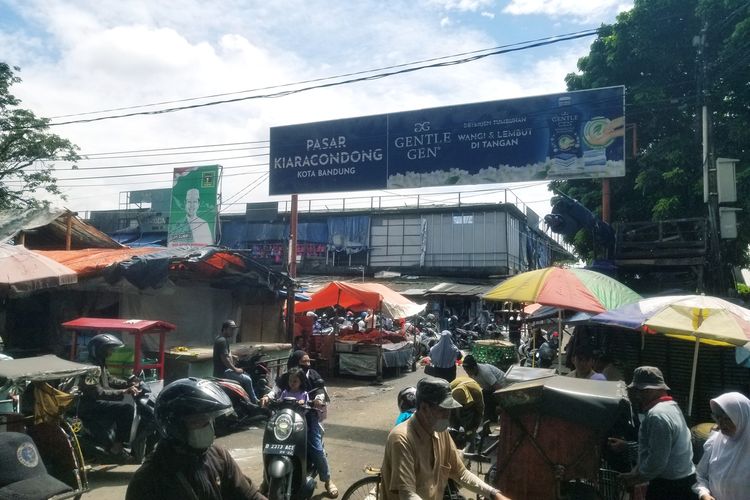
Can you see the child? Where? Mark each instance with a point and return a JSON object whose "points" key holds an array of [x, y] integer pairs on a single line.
{"points": [[407, 403], [295, 380]]}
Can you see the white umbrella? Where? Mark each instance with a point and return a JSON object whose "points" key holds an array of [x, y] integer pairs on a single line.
{"points": [[694, 318], [23, 271]]}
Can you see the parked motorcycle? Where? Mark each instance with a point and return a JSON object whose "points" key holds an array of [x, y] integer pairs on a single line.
{"points": [[288, 473], [543, 356], [245, 411], [258, 371], [96, 438]]}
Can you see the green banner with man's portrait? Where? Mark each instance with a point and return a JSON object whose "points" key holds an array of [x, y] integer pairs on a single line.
{"points": [[193, 214]]}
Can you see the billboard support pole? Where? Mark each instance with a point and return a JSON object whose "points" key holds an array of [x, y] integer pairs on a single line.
{"points": [[606, 195], [292, 269]]}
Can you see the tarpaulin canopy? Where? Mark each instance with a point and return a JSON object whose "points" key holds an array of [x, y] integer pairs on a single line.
{"points": [[90, 261], [23, 271], [42, 368], [361, 296]]}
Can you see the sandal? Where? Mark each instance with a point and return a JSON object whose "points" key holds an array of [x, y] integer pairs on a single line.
{"points": [[331, 489]]}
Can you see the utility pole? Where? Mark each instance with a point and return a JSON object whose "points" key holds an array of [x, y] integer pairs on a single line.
{"points": [[710, 184]]}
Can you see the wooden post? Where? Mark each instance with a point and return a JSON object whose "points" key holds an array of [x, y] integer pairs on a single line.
{"points": [[68, 230]]}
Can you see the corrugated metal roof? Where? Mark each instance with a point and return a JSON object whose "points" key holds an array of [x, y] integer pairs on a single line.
{"points": [[458, 289], [46, 228]]}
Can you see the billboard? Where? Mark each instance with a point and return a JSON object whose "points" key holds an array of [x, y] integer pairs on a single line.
{"points": [[572, 135], [192, 216]]}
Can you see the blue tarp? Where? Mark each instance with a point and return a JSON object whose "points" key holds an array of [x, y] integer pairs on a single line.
{"points": [[241, 234], [349, 234]]}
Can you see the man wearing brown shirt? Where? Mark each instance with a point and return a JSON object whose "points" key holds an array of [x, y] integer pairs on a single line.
{"points": [[420, 456]]}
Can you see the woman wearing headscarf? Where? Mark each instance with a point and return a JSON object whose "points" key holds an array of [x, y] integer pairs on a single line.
{"points": [[443, 356], [318, 397], [723, 472]]}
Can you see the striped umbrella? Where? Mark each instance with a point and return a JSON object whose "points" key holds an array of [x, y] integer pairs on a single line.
{"points": [[576, 289]]}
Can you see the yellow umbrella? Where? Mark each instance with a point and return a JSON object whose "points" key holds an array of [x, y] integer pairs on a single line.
{"points": [[696, 318]]}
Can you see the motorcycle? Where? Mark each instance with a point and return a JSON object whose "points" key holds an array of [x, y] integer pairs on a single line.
{"points": [[96, 439], [287, 472], [543, 356], [245, 411], [258, 371]]}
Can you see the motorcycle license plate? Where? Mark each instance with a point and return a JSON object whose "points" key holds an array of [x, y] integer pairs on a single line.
{"points": [[278, 449]]}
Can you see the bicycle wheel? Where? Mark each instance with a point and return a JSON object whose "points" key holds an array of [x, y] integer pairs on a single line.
{"points": [[367, 488]]}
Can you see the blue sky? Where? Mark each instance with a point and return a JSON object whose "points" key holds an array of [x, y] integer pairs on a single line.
{"points": [[88, 55]]}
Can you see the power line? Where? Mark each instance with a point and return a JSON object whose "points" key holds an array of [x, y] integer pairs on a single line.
{"points": [[177, 147], [549, 41], [87, 157], [169, 172], [314, 80], [181, 162]]}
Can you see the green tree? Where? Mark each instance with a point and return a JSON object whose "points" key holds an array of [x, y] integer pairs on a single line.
{"points": [[651, 50], [27, 149]]}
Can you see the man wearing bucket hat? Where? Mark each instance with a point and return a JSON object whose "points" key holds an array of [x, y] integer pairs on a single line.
{"points": [[23, 476], [420, 456], [665, 452]]}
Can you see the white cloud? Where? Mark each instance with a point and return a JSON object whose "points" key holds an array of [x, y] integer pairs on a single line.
{"points": [[488, 14], [462, 5], [445, 22], [582, 10], [84, 55]]}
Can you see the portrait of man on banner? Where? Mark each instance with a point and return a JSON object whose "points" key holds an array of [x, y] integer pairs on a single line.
{"points": [[192, 217]]}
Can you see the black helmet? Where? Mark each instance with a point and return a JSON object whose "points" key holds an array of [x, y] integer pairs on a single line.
{"points": [[407, 399], [99, 345], [188, 397]]}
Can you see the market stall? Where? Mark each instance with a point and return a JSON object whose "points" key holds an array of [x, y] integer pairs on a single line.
{"points": [[367, 353]]}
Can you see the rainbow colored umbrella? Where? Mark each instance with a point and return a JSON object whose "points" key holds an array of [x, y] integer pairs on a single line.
{"points": [[576, 289]]}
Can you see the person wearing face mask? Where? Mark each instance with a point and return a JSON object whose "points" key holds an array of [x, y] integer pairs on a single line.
{"points": [[665, 452], [420, 456], [723, 472], [186, 464]]}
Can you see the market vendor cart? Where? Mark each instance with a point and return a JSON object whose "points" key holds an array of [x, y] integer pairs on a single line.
{"points": [[363, 357], [367, 353], [83, 329], [553, 434]]}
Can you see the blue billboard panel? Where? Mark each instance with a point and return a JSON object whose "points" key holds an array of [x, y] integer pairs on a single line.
{"points": [[573, 135]]}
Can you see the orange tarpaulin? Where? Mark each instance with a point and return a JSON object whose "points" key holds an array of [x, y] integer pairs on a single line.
{"points": [[90, 260], [361, 296]]}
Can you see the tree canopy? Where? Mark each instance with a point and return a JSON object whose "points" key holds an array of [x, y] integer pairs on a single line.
{"points": [[653, 50], [27, 149]]}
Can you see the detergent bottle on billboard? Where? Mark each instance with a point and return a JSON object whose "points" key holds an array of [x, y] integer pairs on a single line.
{"points": [[565, 141]]}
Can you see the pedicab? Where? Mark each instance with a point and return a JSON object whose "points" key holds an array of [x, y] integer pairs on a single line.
{"points": [[41, 391], [553, 438]]}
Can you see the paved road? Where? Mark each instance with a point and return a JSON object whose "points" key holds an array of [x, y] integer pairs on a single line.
{"points": [[358, 422]]}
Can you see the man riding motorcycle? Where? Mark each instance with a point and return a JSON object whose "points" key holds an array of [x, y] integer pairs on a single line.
{"points": [[186, 463], [102, 402]]}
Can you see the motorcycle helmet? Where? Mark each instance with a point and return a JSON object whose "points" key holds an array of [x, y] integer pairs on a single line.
{"points": [[430, 317], [100, 345], [184, 399], [407, 399]]}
